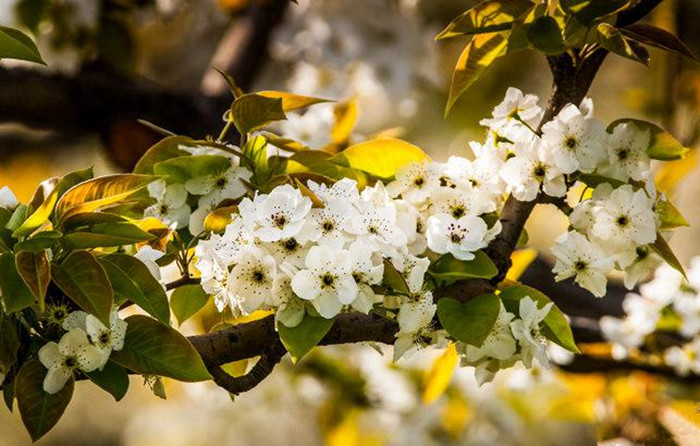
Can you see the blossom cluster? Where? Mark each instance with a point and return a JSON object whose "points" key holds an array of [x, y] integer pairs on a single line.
{"points": [[85, 346], [668, 302]]}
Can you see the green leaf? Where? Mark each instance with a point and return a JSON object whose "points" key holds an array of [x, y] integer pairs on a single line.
{"points": [[661, 247], [394, 279], [113, 378], [38, 217], [18, 216], [16, 295], [381, 157], [487, 16], [15, 44], [669, 216], [85, 282], [291, 101], [73, 179], [163, 150], [100, 192], [253, 111], [477, 56], [449, 269], [105, 235], [657, 37], [184, 168], [39, 241], [151, 348], [612, 40], [588, 11], [88, 219], [232, 85], [662, 145], [544, 34], [187, 300], [301, 339], [471, 321], [556, 328], [132, 280], [9, 347], [40, 411], [34, 269]]}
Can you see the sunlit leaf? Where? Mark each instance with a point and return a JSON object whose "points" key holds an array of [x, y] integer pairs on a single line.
{"points": [[40, 411], [471, 321], [252, 111], [662, 248], [440, 374], [587, 11], [16, 295], [476, 57], [612, 40], [183, 168], [670, 174], [186, 301], [291, 101], [35, 271], [39, 217], [669, 216], [657, 37], [301, 339], [104, 235], [487, 16], [14, 44], [155, 349], [345, 116], [381, 158], [217, 220], [520, 259], [448, 269]]}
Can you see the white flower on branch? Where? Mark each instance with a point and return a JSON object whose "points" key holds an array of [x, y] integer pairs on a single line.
{"points": [[415, 317], [73, 352], [586, 261], [627, 156], [459, 236], [526, 330], [507, 117], [251, 279], [276, 216], [533, 169], [171, 204]]}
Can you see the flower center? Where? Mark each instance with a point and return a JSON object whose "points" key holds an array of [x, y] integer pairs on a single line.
{"points": [[327, 226], [623, 154], [71, 362], [580, 265], [419, 181], [327, 279], [291, 244], [258, 276], [622, 220], [456, 238], [373, 230], [642, 253], [163, 209], [539, 171], [458, 211], [104, 337], [279, 220], [571, 142], [221, 182]]}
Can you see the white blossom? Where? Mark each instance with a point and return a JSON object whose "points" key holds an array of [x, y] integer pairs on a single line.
{"points": [[415, 317], [515, 107], [627, 156], [278, 215], [217, 187], [533, 169], [586, 261], [7, 198], [526, 330], [73, 352], [459, 237], [171, 204], [414, 182], [251, 280]]}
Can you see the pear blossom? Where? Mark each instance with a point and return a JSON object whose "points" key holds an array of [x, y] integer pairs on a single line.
{"points": [[327, 281], [327, 226], [217, 187], [586, 261], [532, 170], [171, 204], [7, 198], [278, 215], [526, 330], [627, 156], [290, 308], [414, 318], [460, 201], [414, 182], [377, 226], [288, 251], [577, 142], [412, 269], [366, 273], [625, 217], [107, 339], [459, 236], [73, 352], [516, 107], [684, 359], [251, 280], [499, 344], [342, 191]]}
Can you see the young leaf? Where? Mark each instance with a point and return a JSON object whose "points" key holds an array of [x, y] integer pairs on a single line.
{"points": [[184, 168], [545, 35], [73, 179], [38, 217], [112, 378], [301, 339], [486, 16], [40, 411], [20, 214], [664, 251], [669, 216], [476, 57], [94, 194], [35, 271], [232, 85], [612, 40], [587, 11], [131, 279], [657, 37], [152, 348], [186, 301], [471, 321], [448, 269], [16, 295], [394, 279], [252, 111], [556, 328], [291, 101], [381, 158], [105, 235], [85, 282], [662, 145], [15, 44], [165, 149]]}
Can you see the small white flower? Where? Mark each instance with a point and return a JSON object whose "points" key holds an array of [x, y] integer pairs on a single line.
{"points": [[526, 330], [459, 237], [377, 226], [578, 142], [218, 187], [412, 270], [73, 352], [480, 173], [627, 154], [645, 261], [685, 359], [171, 204], [366, 272], [290, 308], [625, 217], [499, 344], [7, 198], [461, 200], [532, 170], [342, 191], [327, 282], [288, 251], [327, 226], [251, 280], [105, 338], [577, 256], [414, 318], [279, 215], [414, 182], [411, 221], [515, 107]]}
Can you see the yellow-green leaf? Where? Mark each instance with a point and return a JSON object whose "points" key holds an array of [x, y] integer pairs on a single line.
{"points": [[612, 40], [440, 374], [471, 321], [476, 57], [487, 16], [15, 44], [187, 300], [301, 339], [252, 111], [662, 248], [291, 101], [38, 217], [35, 271], [381, 158]]}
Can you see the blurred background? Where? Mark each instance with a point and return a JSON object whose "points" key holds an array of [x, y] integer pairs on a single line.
{"points": [[112, 63]]}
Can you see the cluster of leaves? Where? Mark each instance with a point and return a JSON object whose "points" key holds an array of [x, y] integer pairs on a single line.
{"points": [[576, 27], [66, 251]]}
